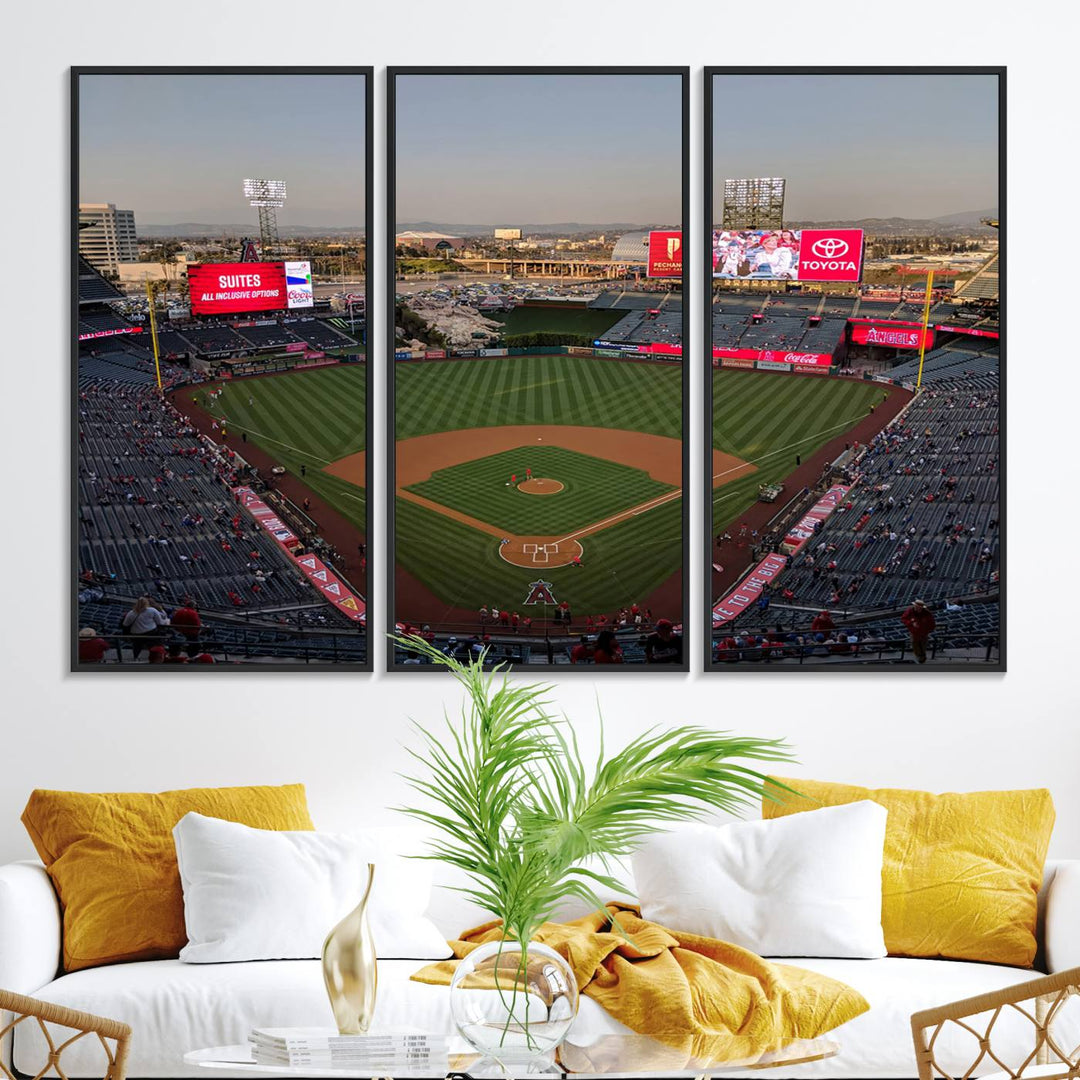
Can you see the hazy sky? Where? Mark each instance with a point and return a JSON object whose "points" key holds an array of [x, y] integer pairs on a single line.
{"points": [[510, 149], [177, 148], [854, 146]]}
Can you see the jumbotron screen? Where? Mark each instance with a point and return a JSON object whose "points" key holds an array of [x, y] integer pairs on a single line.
{"points": [[788, 254], [227, 288]]}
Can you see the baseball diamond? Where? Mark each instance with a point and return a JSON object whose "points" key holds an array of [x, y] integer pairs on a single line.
{"points": [[470, 431], [594, 488]]}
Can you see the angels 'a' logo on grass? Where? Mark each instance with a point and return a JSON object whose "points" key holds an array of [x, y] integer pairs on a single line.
{"points": [[540, 593]]}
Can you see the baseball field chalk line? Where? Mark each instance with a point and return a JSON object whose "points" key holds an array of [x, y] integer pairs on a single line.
{"points": [[288, 446], [783, 450], [641, 508]]}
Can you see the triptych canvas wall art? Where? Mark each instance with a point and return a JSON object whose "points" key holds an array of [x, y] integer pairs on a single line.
{"points": [[538, 363], [539, 390], [853, 419], [220, 367]]}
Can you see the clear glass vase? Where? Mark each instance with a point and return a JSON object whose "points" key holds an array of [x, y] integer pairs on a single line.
{"points": [[514, 1005]]}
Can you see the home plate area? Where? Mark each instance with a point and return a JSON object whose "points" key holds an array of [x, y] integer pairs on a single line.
{"points": [[539, 551]]}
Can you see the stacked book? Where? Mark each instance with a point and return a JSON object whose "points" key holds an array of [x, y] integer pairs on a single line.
{"points": [[386, 1052]]}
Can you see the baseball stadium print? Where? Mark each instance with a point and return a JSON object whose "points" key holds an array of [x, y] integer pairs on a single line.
{"points": [[853, 409], [537, 392], [219, 368]]}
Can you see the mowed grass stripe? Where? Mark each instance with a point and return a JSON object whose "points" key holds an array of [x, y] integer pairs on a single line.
{"points": [[304, 418], [771, 420], [596, 393], [621, 565], [594, 490], [462, 566]]}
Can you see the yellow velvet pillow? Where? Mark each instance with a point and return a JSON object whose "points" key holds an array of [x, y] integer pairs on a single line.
{"points": [[113, 864], [961, 872]]}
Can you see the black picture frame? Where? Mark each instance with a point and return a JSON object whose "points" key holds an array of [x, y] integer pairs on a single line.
{"points": [[393, 72], [710, 664], [77, 72]]}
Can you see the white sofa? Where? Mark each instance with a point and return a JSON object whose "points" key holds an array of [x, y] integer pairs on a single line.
{"points": [[175, 1007]]}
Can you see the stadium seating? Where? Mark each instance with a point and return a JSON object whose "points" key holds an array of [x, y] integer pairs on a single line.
{"points": [[157, 514], [173, 343], [95, 319], [216, 339], [319, 334], [93, 287], [984, 285], [951, 362], [634, 301], [969, 631], [921, 522], [270, 336], [302, 636]]}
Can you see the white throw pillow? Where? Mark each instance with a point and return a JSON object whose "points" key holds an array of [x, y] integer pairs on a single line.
{"points": [[258, 894], [804, 885]]}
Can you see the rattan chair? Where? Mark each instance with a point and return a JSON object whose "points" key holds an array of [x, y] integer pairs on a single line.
{"points": [[1040, 1002], [108, 1032]]}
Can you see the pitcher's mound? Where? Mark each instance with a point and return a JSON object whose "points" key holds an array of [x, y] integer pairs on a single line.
{"points": [[541, 487]]}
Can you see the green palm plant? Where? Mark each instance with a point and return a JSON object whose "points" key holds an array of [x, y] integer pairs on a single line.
{"points": [[518, 810]]}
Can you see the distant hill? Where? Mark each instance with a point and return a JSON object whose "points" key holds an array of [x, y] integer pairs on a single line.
{"points": [[967, 217], [200, 229], [553, 228], [966, 223]]}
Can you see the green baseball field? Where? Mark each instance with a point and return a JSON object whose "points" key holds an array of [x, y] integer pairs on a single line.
{"points": [[603, 437], [557, 319], [307, 421], [767, 420]]}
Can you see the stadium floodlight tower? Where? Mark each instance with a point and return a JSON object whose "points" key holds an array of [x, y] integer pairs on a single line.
{"points": [[269, 197], [754, 203]]}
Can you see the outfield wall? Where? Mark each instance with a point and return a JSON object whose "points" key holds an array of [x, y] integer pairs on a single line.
{"points": [[627, 351]]}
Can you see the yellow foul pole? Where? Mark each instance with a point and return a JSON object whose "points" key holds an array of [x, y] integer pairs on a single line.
{"points": [[925, 325], [153, 333]]}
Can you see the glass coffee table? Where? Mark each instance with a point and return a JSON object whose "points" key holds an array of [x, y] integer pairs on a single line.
{"points": [[628, 1056]]}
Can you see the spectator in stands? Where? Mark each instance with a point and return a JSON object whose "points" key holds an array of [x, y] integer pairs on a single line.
{"points": [[582, 651], [92, 649], [143, 624], [186, 619], [663, 645], [823, 621], [607, 649], [176, 654], [920, 623]]}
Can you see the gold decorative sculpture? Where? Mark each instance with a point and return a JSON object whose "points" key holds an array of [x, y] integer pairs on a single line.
{"points": [[349, 968]]}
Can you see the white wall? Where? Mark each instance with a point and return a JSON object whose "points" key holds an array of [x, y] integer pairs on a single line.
{"points": [[341, 734]]}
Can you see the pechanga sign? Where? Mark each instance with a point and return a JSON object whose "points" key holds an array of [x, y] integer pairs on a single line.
{"points": [[665, 254]]}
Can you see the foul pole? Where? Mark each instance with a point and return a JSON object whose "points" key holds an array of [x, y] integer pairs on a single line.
{"points": [[150, 293], [925, 325]]}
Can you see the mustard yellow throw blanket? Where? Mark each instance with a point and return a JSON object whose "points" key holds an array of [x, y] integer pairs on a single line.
{"points": [[705, 998]]}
